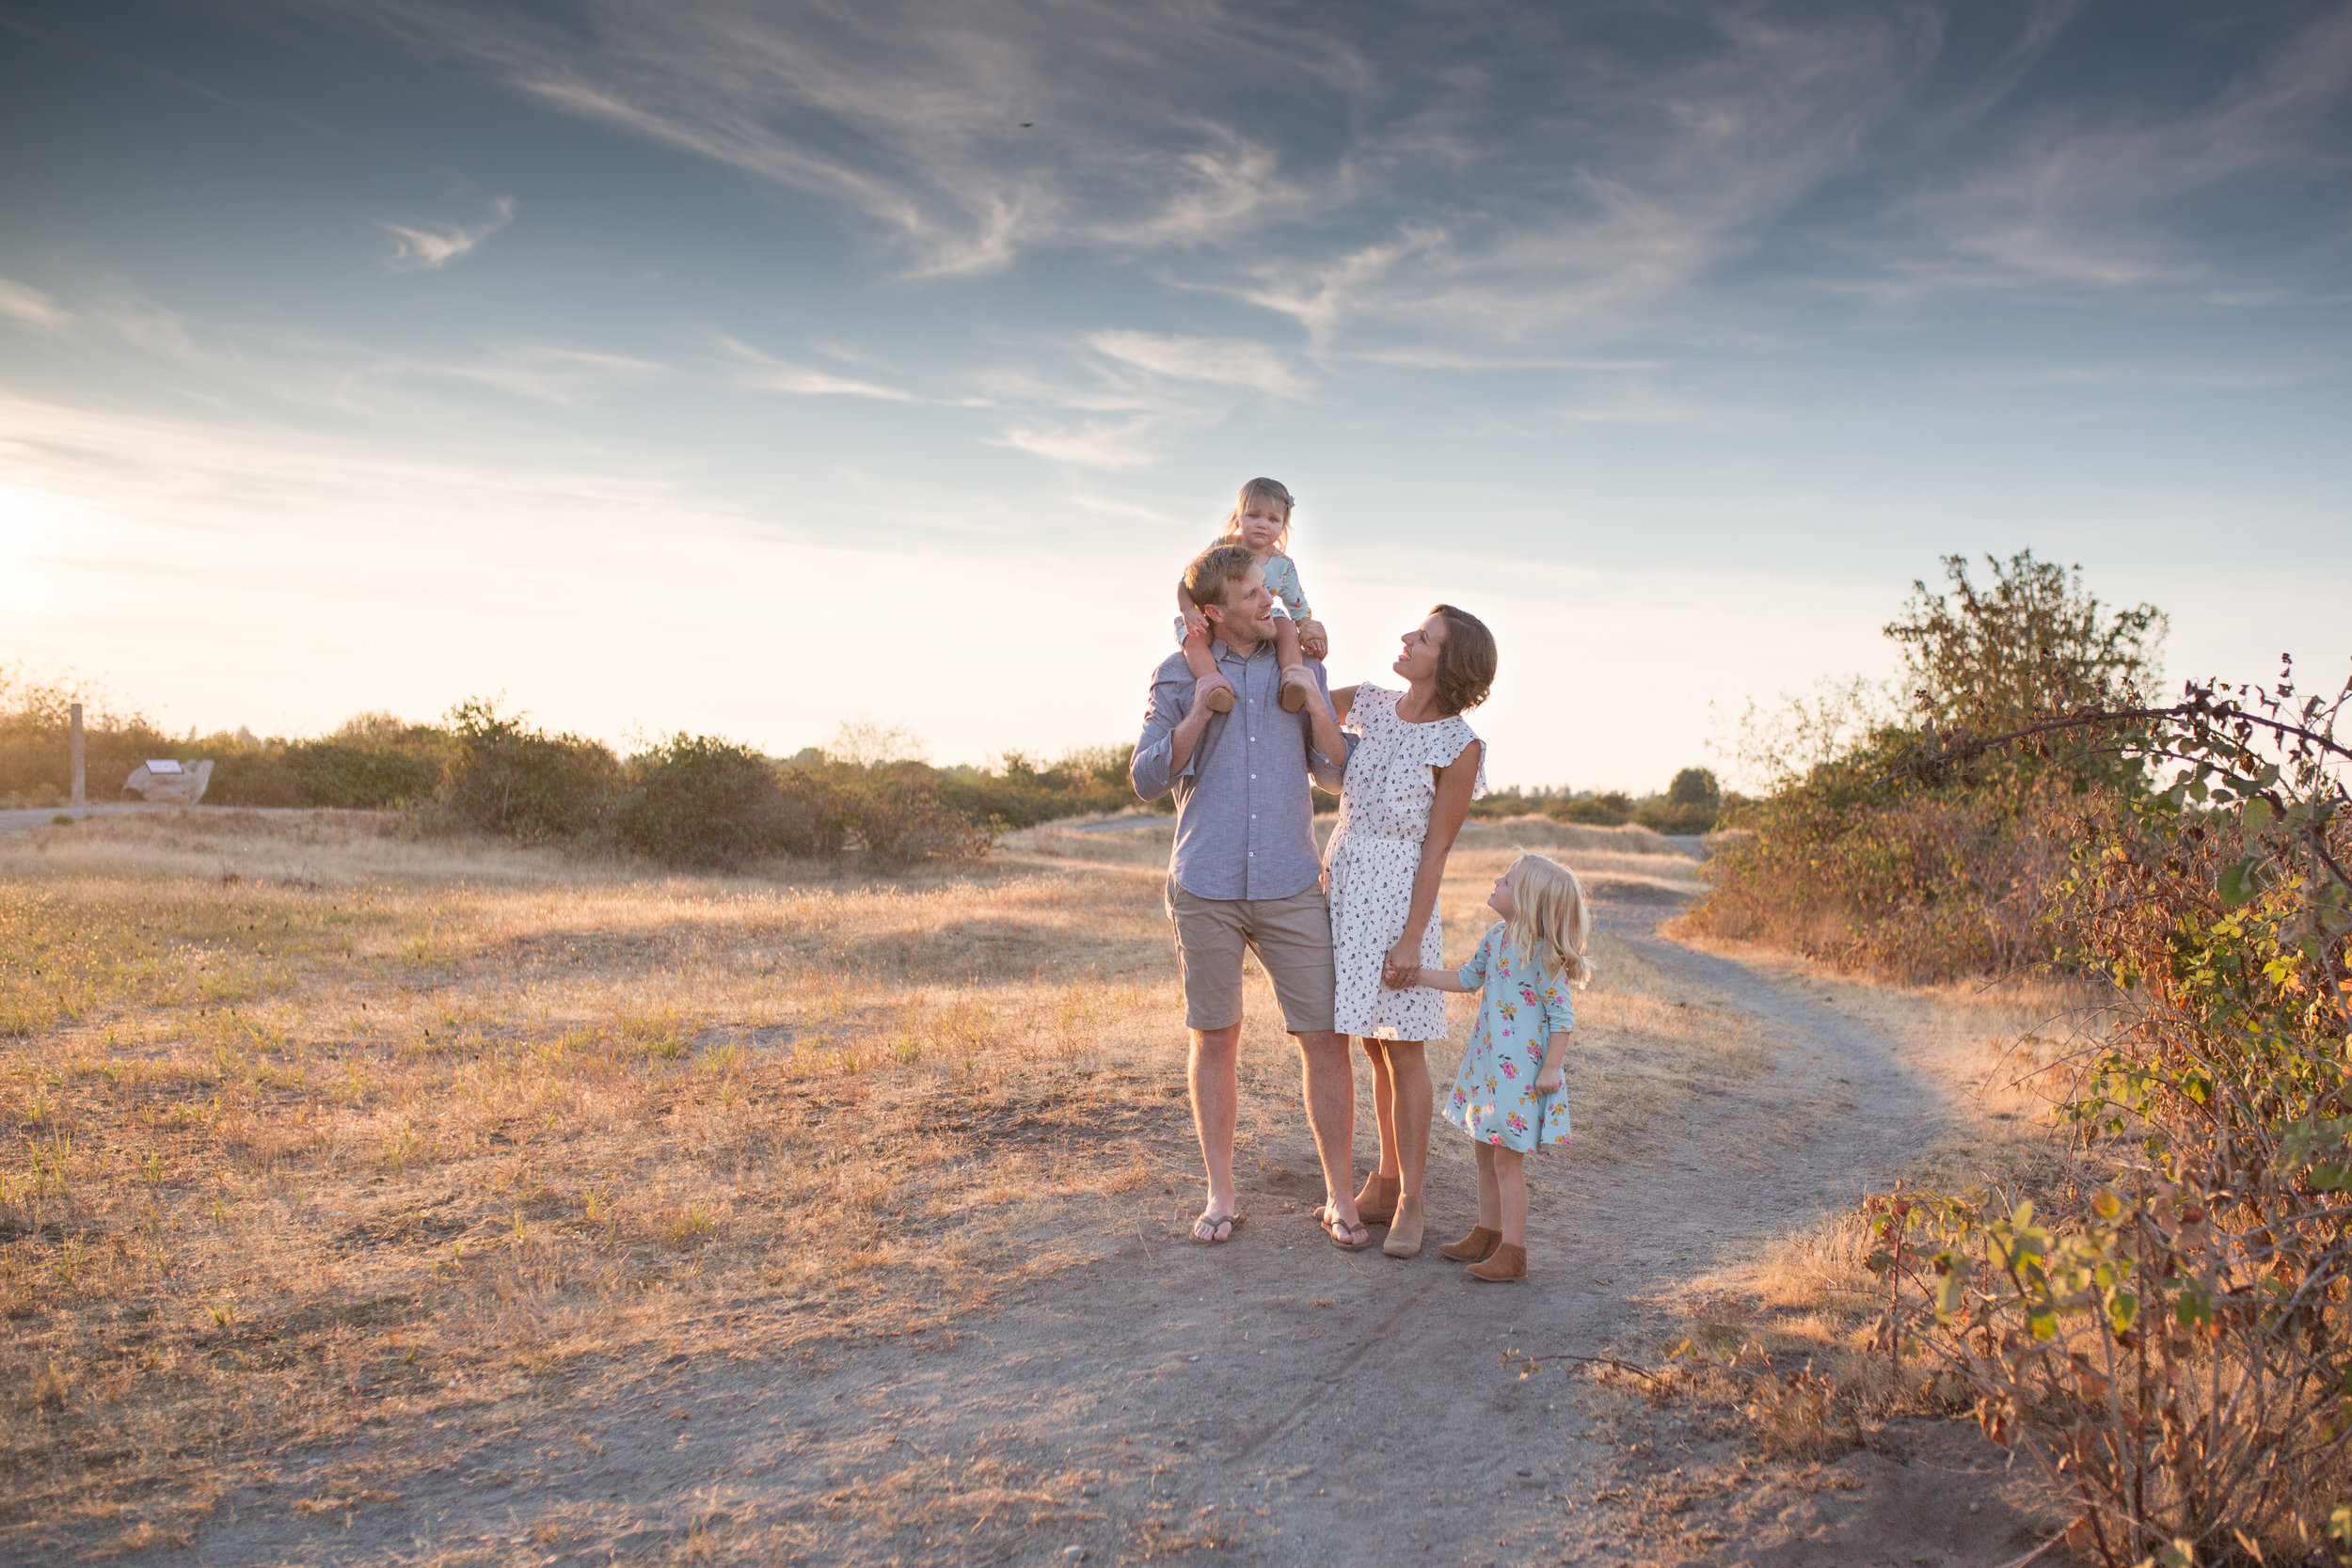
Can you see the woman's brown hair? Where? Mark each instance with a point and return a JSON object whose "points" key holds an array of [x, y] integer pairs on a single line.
{"points": [[1466, 660]]}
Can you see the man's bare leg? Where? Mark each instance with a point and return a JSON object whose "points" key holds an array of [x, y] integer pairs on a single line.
{"points": [[1329, 1083], [1213, 1073]]}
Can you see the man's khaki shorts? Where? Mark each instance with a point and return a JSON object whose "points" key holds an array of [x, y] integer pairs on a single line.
{"points": [[1292, 937]]}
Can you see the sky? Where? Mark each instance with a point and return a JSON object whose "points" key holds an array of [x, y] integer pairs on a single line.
{"points": [[662, 365]]}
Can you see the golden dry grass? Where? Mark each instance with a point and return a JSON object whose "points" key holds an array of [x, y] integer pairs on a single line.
{"points": [[315, 1127]]}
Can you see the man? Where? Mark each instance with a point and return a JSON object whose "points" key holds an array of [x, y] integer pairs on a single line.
{"points": [[1245, 873]]}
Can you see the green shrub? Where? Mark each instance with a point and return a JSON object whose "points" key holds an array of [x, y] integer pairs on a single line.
{"points": [[1022, 793], [1856, 859], [35, 730], [1612, 810], [2168, 1336], [325, 773], [896, 812], [504, 777], [697, 801]]}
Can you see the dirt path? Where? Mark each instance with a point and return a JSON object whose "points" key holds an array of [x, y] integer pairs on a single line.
{"points": [[1272, 1401]]}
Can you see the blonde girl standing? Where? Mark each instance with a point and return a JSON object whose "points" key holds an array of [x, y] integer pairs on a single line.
{"points": [[1261, 519], [1509, 1093]]}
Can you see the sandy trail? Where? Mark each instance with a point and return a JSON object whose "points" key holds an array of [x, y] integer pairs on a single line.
{"points": [[1270, 1401]]}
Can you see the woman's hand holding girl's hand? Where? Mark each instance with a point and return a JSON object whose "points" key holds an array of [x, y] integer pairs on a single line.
{"points": [[1400, 979], [1312, 641], [1548, 1080], [1404, 961]]}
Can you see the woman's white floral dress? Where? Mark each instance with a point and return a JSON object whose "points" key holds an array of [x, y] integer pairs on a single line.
{"points": [[1367, 871], [1494, 1098]]}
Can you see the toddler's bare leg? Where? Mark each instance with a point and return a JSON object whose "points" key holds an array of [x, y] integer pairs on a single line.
{"points": [[1204, 667], [1296, 683]]}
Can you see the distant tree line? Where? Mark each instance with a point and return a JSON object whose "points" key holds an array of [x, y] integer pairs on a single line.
{"points": [[685, 800]]}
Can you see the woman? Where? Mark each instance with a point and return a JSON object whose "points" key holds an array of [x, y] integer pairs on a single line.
{"points": [[1416, 769]]}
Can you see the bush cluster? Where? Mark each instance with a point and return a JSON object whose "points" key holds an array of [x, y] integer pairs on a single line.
{"points": [[34, 723], [1857, 857], [1023, 791], [1693, 803], [2171, 1338], [691, 801]]}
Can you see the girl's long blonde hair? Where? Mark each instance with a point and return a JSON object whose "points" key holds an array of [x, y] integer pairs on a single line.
{"points": [[1549, 920], [1261, 490]]}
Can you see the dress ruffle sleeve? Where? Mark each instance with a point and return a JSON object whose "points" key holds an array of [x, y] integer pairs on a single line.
{"points": [[1439, 745]]}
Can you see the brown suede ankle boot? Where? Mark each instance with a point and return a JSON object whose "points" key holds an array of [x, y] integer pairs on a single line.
{"points": [[1476, 1248], [1404, 1230], [1377, 1203], [1507, 1263]]}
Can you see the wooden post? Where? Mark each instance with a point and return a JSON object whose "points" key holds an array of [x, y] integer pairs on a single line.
{"points": [[74, 754]]}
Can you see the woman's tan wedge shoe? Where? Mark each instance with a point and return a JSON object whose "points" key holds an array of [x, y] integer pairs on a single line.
{"points": [[1476, 1248], [1404, 1230], [1508, 1263], [1377, 1203]]}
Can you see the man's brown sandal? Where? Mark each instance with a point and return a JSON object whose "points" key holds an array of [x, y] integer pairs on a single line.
{"points": [[1476, 1248], [1508, 1263], [1333, 1227], [1229, 1224], [1377, 1201]]}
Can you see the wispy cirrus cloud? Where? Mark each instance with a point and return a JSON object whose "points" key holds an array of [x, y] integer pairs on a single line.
{"points": [[1220, 361], [963, 136], [2102, 196], [424, 248], [762, 373], [1505, 181], [29, 306], [541, 372]]}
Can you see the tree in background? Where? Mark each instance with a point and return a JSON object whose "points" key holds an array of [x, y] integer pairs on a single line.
{"points": [[1860, 860], [2034, 642]]}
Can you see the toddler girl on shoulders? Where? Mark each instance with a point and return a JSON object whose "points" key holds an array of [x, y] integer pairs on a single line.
{"points": [[1261, 519]]}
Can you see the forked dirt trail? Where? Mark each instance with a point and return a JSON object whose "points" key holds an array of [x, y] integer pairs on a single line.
{"points": [[1273, 1400]]}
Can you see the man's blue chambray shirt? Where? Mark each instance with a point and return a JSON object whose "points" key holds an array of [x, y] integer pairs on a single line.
{"points": [[1245, 823]]}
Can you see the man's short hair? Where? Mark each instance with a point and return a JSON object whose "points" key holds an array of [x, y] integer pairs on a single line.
{"points": [[1214, 570]]}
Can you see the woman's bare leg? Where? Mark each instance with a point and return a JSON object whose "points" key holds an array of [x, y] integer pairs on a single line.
{"points": [[1383, 1106], [1405, 1121], [1510, 1168]]}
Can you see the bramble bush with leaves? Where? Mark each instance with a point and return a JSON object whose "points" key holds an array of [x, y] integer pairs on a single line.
{"points": [[2171, 1340]]}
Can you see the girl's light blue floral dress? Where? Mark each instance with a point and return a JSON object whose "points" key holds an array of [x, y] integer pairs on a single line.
{"points": [[1494, 1098]]}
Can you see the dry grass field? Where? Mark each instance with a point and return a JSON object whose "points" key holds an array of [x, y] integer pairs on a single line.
{"points": [[316, 1129]]}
